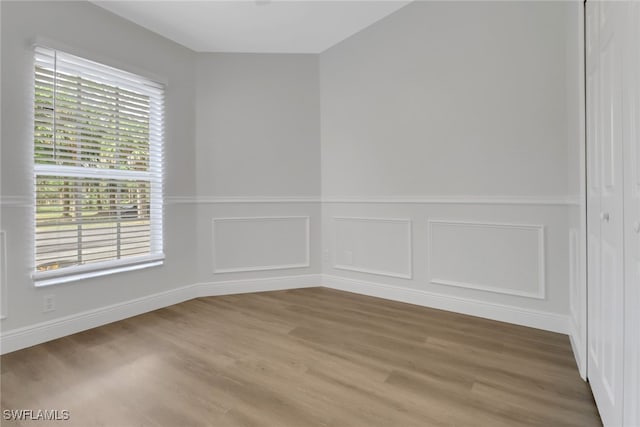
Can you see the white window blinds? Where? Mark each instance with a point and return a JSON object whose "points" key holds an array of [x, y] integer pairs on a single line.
{"points": [[98, 162]]}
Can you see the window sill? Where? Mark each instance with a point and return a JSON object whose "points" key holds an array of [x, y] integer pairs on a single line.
{"points": [[73, 274]]}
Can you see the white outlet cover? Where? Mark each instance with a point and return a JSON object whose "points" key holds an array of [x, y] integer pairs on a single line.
{"points": [[348, 257], [49, 303]]}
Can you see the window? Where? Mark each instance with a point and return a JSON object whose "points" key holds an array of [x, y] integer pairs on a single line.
{"points": [[98, 140]]}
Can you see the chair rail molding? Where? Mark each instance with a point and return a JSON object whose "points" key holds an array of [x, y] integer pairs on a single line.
{"points": [[210, 200], [427, 200], [457, 200]]}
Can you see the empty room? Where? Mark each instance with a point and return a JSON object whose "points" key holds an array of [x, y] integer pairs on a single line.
{"points": [[320, 213]]}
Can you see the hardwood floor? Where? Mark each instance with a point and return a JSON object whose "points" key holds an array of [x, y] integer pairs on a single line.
{"points": [[307, 357]]}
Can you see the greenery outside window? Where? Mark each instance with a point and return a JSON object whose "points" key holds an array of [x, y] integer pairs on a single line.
{"points": [[98, 169]]}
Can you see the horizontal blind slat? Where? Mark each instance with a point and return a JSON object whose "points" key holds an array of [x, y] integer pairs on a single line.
{"points": [[73, 87], [98, 135], [85, 103], [93, 70], [73, 123]]}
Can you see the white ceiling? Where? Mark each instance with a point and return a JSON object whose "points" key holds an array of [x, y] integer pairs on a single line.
{"points": [[261, 26]]}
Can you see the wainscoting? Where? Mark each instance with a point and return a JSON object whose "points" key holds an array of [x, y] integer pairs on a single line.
{"points": [[260, 243], [244, 238], [422, 251], [383, 246], [494, 257], [232, 245], [500, 258]]}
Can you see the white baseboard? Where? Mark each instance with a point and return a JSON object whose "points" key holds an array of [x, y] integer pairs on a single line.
{"points": [[19, 338], [257, 285], [577, 347], [27, 336], [504, 313]]}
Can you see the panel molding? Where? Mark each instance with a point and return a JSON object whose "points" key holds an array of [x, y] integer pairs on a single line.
{"points": [[407, 221], [548, 321], [539, 229], [305, 264]]}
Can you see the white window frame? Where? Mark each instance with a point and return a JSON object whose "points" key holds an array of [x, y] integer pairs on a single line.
{"points": [[154, 175]]}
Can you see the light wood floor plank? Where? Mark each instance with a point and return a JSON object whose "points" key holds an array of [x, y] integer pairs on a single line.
{"points": [[306, 357]]}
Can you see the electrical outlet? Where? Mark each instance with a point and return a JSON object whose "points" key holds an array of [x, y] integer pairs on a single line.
{"points": [[325, 256], [48, 303], [348, 257]]}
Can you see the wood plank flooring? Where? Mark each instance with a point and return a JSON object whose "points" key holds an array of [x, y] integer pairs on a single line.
{"points": [[306, 357]]}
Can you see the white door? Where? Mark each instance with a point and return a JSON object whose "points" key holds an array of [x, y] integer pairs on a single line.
{"points": [[631, 111], [605, 209]]}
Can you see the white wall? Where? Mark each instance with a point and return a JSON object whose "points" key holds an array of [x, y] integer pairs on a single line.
{"points": [[257, 139], [90, 31], [450, 98], [242, 171], [258, 125], [444, 129], [455, 112]]}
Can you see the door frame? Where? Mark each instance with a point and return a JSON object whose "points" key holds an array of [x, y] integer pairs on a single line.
{"points": [[578, 264]]}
